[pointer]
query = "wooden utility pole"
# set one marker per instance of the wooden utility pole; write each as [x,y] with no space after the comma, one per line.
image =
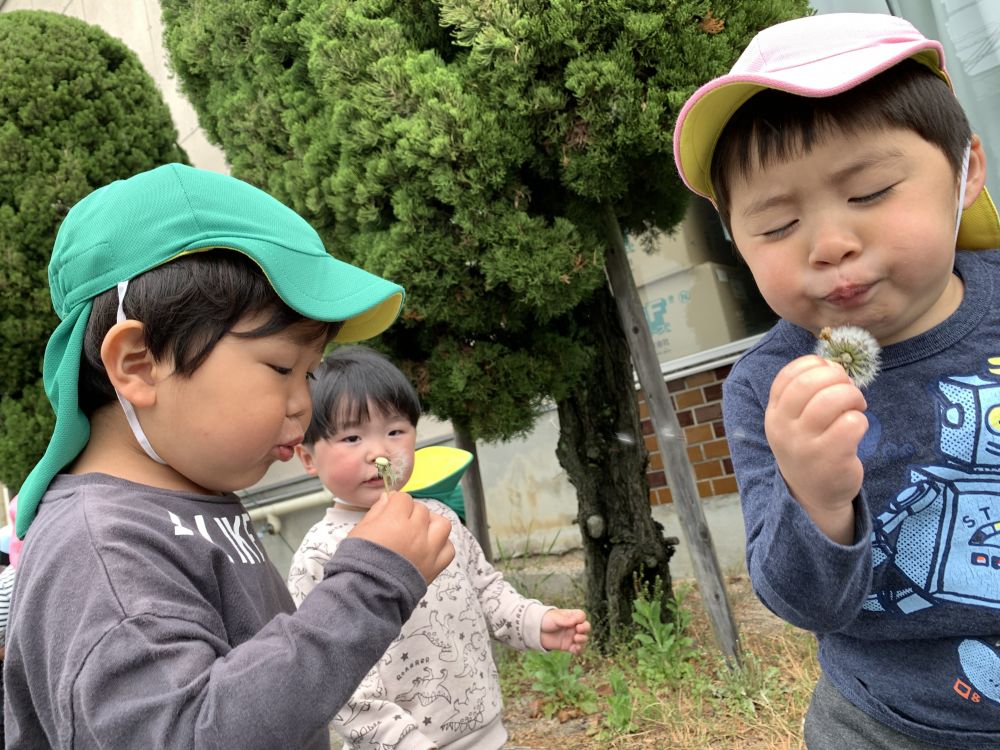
[475,497]
[670,439]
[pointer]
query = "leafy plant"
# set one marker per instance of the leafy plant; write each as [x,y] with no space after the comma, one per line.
[746,688]
[561,685]
[77,111]
[620,717]
[664,652]
[761,706]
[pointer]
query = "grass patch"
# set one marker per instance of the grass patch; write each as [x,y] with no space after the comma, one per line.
[667,686]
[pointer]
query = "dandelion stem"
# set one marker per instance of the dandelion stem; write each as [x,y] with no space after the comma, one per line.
[385,472]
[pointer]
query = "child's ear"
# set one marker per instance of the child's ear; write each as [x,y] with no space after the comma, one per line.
[976,178]
[129,363]
[306,457]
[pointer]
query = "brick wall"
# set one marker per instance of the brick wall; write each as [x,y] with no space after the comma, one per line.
[697,399]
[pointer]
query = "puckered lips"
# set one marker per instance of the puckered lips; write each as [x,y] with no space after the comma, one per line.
[286,450]
[849,295]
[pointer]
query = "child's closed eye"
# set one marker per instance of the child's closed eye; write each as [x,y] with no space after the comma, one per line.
[872,197]
[779,232]
[285,371]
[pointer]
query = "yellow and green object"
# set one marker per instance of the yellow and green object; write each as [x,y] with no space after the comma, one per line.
[437,474]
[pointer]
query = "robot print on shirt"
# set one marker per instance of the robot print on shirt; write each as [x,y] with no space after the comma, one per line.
[941,534]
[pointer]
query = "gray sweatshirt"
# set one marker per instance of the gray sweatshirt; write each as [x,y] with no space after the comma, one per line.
[150,618]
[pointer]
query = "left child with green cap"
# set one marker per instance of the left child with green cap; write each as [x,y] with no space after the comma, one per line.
[194,309]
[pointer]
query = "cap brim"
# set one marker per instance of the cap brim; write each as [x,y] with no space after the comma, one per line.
[980,225]
[437,470]
[325,288]
[322,287]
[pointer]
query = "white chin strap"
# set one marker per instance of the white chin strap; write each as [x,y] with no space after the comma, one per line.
[961,188]
[133,420]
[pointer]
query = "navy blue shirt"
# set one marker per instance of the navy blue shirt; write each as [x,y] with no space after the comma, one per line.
[908,615]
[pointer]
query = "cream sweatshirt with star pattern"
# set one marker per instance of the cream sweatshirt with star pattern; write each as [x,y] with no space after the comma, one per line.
[436,686]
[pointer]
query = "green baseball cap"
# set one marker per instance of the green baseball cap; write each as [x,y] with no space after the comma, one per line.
[130,226]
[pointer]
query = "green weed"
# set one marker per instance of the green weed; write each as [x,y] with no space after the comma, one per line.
[747,688]
[664,651]
[561,685]
[620,717]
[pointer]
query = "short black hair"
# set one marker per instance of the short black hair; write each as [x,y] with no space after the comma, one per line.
[186,307]
[773,125]
[348,378]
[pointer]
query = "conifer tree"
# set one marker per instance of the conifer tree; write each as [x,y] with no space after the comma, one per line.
[471,151]
[77,110]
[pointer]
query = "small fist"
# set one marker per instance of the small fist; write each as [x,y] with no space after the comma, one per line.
[814,423]
[565,630]
[409,529]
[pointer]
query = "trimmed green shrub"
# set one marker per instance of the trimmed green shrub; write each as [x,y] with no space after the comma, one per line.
[467,150]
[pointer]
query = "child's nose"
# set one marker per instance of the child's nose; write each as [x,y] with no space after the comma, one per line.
[376,449]
[832,243]
[300,402]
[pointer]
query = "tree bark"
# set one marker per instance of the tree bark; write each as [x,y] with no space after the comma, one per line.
[602,450]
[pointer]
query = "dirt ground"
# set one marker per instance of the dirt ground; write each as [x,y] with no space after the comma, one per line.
[756,625]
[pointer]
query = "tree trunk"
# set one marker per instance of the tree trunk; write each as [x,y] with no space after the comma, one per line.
[602,450]
[475,497]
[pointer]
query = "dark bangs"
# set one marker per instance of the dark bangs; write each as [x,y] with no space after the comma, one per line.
[773,126]
[186,307]
[349,379]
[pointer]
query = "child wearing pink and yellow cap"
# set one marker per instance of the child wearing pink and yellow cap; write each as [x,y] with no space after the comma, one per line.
[849,179]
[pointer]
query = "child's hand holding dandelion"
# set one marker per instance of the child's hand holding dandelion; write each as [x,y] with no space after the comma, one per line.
[409,529]
[814,423]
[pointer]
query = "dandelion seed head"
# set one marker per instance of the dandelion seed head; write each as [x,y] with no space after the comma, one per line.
[854,349]
[391,469]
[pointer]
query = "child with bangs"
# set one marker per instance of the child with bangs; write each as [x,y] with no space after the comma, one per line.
[436,686]
[194,309]
[853,187]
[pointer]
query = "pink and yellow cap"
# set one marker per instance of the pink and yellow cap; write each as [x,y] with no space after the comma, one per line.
[816,56]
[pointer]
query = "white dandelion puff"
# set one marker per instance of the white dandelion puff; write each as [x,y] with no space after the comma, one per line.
[854,349]
[393,469]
